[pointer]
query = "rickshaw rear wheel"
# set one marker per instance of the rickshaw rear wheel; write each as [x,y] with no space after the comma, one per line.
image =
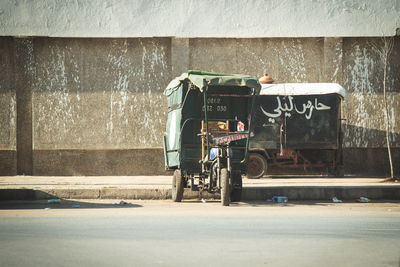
[225,188]
[257,166]
[177,186]
[237,184]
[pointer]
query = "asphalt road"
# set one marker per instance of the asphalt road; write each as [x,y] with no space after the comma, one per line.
[162,233]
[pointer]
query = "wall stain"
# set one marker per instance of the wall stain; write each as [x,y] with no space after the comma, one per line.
[107,93]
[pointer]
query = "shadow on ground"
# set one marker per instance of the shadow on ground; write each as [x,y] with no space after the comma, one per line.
[319,177]
[262,203]
[64,204]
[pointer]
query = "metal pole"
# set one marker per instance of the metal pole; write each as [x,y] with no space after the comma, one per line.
[206,117]
[253,99]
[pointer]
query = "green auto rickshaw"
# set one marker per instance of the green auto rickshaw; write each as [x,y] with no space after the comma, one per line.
[207,133]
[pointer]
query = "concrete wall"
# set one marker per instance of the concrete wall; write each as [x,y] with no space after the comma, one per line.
[286,59]
[100,93]
[7,96]
[363,78]
[351,62]
[199,18]
[95,106]
[8,112]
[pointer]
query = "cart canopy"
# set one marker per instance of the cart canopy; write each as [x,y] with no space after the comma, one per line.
[303,89]
[201,79]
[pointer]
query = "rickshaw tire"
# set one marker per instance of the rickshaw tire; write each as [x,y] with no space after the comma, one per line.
[177,186]
[225,188]
[256,160]
[237,183]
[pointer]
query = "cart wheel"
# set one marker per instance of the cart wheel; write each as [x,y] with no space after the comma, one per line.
[257,166]
[177,186]
[225,199]
[236,194]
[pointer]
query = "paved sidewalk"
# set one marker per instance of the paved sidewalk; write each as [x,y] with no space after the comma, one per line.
[159,187]
[164,182]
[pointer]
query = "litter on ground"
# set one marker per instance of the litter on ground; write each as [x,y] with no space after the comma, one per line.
[336,200]
[363,200]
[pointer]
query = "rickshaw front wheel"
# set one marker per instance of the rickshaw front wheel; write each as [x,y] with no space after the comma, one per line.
[225,192]
[177,186]
[237,184]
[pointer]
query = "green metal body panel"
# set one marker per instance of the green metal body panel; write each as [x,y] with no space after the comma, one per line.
[314,129]
[185,113]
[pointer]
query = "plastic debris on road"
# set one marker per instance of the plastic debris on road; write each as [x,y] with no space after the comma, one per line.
[279,199]
[203,200]
[54,201]
[336,200]
[363,200]
[76,206]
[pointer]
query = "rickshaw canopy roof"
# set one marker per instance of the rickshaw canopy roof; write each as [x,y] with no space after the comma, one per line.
[303,89]
[202,79]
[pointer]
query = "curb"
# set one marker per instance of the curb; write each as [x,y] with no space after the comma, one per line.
[323,193]
[294,193]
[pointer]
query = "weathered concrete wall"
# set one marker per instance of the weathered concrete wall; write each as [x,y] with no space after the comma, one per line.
[285,59]
[95,106]
[199,18]
[8,112]
[364,108]
[352,62]
[370,161]
[97,94]
[24,81]
[109,162]
[7,96]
